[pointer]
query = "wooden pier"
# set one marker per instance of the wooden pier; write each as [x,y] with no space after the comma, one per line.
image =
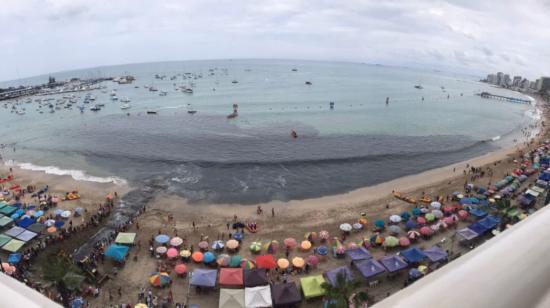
[505,98]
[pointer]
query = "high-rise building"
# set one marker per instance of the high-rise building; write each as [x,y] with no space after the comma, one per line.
[539,84]
[500,78]
[545,84]
[492,78]
[524,84]
[533,85]
[506,81]
[516,81]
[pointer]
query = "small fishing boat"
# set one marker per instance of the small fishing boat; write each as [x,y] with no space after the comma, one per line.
[190,109]
[308,83]
[419,87]
[125,99]
[95,108]
[234,81]
[235,113]
[294,69]
[151,112]
[125,106]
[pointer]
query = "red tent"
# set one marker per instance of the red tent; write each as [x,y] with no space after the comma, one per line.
[231,277]
[267,262]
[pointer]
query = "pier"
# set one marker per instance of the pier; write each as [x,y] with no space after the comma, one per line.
[505,98]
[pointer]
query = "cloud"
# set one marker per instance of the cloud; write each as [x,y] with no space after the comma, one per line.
[41,36]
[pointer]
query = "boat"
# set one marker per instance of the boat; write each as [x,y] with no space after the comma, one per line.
[113,93]
[234,114]
[419,87]
[125,106]
[234,81]
[308,83]
[163,93]
[125,99]
[100,105]
[114,98]
[20,112]
[293,134]
[151,112]
[153,89]
[188,90]
[294,69]
[190,109]
[95,108]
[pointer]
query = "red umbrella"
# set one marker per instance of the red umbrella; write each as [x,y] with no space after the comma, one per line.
[180,269]
[404,242]
[421,220]
[172,253]
[448,209]
[449,220]
[290,242]
[266,261]
[312,260]
[462,214]
[426,231]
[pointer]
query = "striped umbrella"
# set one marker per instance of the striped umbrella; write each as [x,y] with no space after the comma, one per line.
[217,245]
[255,247]
[324,235]
[223,260]
[413,234]
[247,264]
[160,279]
[271,247]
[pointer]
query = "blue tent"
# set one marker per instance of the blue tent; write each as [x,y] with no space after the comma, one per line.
[117,252]
[413,255]
[435,253]
[477,212]
[545,176]
[358,254]
[369,268]
[331,275]
[489,222]
[14,258]
[393,263]
[478,228]
[25,222]
[204,278]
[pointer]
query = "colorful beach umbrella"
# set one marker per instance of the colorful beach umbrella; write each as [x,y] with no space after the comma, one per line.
[352,245]
[223,260]
[448,209]
[208,257]
[421,220]
[312,260]
[346,227]
[416,212]
[324,235]
[305,245]
[271,246]
[232,244]
[462,214]
[218,245]
[394,229]
[197,256]
[185,253]
[376,239]
[161,250]
[435,205]
[235,261]
[405,215]
[391,241]
[176,241]
[247,264]
[162,238]
[449,220]
[430,217]
[379,223]
[203,245]
[283,263]
[160,279]
[410,224]
[238,236]
[298,262]
[172,253]
[51,229]
[311,236]
[180,269]
[395,218]
[255,246]
[357,226]
[404,241]
[362,221]
[290,242]
[413,234]
[426,231]
[322,250]
[437,213]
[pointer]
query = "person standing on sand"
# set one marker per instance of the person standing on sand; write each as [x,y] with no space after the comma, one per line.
[272,212]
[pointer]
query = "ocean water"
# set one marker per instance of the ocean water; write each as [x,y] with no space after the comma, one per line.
[208,158]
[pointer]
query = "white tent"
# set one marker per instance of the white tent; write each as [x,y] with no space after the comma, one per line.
[257,297]
[231,298]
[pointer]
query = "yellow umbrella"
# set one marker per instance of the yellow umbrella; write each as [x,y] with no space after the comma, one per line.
[298,262]
[185,253]
[305,245]
[422,269]
[140,305]
[283,263]
[232,244]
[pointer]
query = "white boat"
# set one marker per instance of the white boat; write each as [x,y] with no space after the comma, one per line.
[125,99]
[125,106]
[113,93]
[114,98]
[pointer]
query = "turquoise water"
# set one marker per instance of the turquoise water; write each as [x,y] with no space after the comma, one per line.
[252,158]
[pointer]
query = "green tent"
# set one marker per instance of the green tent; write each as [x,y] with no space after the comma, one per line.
[72,280]
[127,238]
[4,239]
[311,286]
[4,221]
[8,210]
[3,204]
[13,245]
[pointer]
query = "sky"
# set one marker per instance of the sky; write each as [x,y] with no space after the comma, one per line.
[466,36]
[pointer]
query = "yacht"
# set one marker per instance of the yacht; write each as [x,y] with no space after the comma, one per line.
[125,99]
[125,106]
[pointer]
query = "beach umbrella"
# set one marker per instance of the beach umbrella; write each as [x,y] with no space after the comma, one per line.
[235,261]
[363,220]
[30,213]
[180,269]
[310,236]
[8,268]
[305,245]
[338,247]
[413,234]
[217,245]
[159,279]
[448,209]
[352,245]
[421,220]
[426,231]
[322,250]
[460,196]
[449,220]
[161,250]
[324,235]
[423,269]
[357,226]
[271,247]
[430,217]
[232,244]
[223,260]
[255,246]
[283,263]
[364,242]
[437,213]
[298,262]
[49,222]
[405,215]
[176,241]
[172,253]
[346,227]
[59,223]
[312,260]
[424,210]
[435,205]
[394,229]
[77,302]
[435,227]
[379,223]
[404,241]
[51,229]
[57,212]
[66,214]
[391,241]
[208,257]
[410,224]
[238,236]
[162,238]
[290,242]
[442,224]
[395,218]
[416,212]
[247,264]
[185,253]
[79,210]
[197,256]
[203,245]
[376,239]
[462,214]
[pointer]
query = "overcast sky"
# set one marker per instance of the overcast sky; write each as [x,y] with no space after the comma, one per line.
[475,36]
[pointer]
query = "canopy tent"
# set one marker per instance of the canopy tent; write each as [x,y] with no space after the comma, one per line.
[25,222]
[231,298]
[204,278]
[13,245]
[37,227]
[14,231]
[478,228]
[4,221]
[285,294]
[255,277]
[393,263]
[311,286]
[8,210]
[4,239]
[413,255]
[489,222]
[231,277]
[266,261]
[344,270]
[117,252]
[477,212]
[127,238]
[258,297]
[369,268]
[358,254]
[26,236]
[435,253]
[467,233]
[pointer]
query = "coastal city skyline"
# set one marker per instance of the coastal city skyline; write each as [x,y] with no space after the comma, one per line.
[446,35]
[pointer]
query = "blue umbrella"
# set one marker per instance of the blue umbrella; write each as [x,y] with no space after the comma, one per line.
[77,302]
[238,236]
[38,213]
[57,212]
[379,223]
[14,258]
[410,224]
[322,250]
[162,238]
[416,211]
[217,245]
[405,215]
[414,273]
[208,257]
[59,223]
